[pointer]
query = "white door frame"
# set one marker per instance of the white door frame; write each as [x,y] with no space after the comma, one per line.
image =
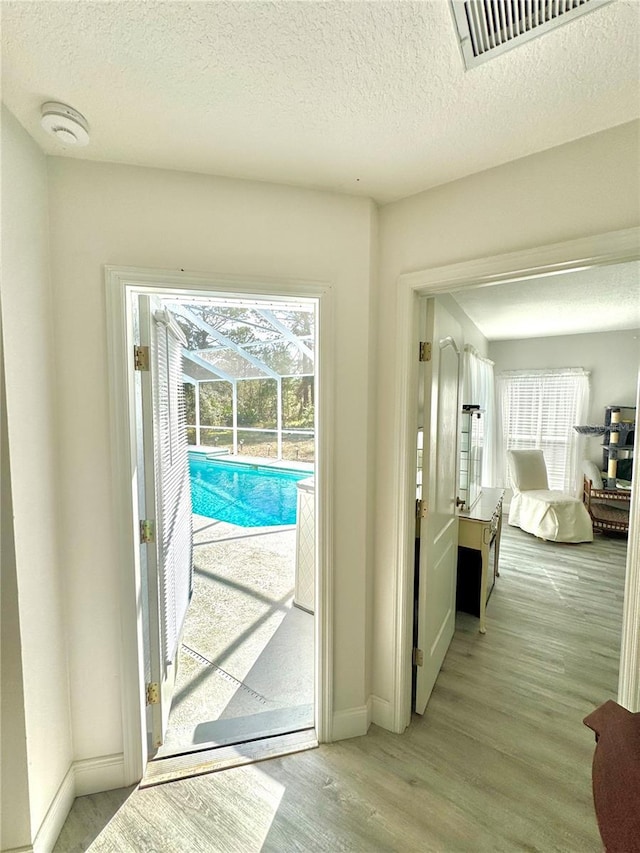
[598,250]
[121,284]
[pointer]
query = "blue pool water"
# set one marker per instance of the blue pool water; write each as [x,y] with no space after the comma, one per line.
[243,495]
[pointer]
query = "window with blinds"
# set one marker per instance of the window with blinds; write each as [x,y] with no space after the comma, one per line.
[539,410]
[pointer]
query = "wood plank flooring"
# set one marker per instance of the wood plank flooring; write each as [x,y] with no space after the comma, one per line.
[499,762]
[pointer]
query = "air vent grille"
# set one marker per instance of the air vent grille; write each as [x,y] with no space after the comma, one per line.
[489,27]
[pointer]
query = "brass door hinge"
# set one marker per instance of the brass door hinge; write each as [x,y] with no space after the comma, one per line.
[425,351]
[421,509]
[418,657]
[141,358]
[152,692]
[147,531]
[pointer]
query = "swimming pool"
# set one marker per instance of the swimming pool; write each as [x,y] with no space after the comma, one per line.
[243,494]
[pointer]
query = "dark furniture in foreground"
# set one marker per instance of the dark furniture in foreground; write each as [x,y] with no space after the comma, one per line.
[616,776]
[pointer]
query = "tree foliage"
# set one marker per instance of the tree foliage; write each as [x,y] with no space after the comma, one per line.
[257,397]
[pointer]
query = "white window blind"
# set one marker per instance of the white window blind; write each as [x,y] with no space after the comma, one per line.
[539,410]
[173,489]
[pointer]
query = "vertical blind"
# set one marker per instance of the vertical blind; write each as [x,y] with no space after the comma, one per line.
[173,489]
[539,410]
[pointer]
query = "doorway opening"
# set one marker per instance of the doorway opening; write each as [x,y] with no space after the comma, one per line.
[228,482]
[244,664]
[480,520]
[545,261]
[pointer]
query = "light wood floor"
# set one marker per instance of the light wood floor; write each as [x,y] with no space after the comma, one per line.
[500,761]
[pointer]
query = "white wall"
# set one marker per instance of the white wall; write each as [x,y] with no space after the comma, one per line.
[122,215]
[110,214]
[586,187]
[30,376]
[470,332]
[15,828]
[612,358]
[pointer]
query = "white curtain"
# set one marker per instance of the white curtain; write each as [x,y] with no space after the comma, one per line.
[577,441]
[479,389]
[538,410]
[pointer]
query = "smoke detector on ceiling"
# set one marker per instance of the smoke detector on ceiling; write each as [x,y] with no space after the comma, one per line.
[67,125]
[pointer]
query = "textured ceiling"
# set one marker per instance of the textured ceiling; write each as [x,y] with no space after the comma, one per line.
[362,97]
[594,300]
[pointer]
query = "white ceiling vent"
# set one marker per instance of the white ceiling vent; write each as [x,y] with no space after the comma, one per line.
[489,27]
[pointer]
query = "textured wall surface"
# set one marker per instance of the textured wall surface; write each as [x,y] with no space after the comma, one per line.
[597,299]
[367,98]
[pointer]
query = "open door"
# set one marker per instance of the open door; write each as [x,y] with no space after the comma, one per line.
[439,524]
[165,505]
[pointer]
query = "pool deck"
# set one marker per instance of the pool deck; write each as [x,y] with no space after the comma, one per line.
[246,662]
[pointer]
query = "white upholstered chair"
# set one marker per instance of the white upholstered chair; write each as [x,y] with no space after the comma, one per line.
[535,508]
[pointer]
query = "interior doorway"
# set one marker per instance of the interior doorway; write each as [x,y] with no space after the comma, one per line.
[520,267]
[481,522]
[238,655]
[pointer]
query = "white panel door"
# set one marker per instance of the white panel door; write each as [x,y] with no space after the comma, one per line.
[439,529]
[167,503]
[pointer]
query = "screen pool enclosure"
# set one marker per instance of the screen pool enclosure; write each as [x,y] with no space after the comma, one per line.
[248,372]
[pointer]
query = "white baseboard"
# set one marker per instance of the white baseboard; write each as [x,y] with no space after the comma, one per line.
[83,777]
[49,830]
[381,713]
[353,722]
[99,774]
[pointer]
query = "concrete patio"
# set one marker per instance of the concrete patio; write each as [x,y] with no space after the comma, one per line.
[246,664]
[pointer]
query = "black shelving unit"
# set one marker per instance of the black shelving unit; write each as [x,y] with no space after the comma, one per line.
[620,425]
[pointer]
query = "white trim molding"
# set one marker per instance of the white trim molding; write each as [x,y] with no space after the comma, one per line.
[629,684]
[57,813]
[353,722]
[105,773]
[87,776]
[323,637]
[597,250]
[381,712]
[614,247]
[122,283]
